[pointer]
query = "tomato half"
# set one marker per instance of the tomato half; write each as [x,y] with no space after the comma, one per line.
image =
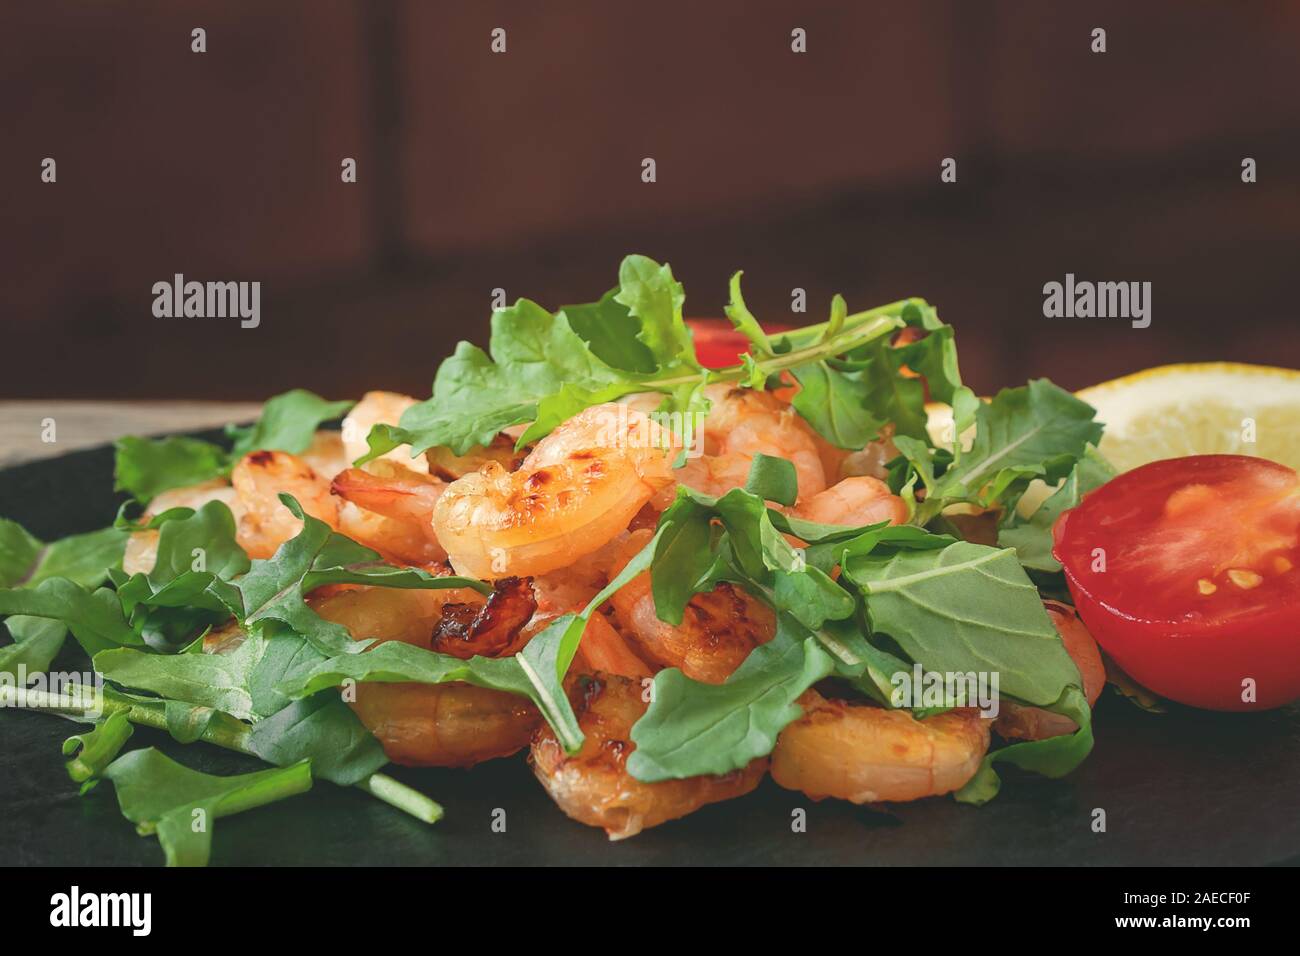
[1187,571]
[718,344]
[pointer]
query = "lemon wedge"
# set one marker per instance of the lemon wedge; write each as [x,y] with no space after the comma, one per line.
[1202,409]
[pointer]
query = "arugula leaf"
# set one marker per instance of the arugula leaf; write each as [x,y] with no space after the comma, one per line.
[179,805]
[693,728]
[275,589]
[1035,431]
[544,368]
[653,296]
[967,607]
[1053,757]
[744,322]
[773,479]
[37,641]
[146,467]
[26,561]
[326,731]
[94,750]
[533,673]
[219,681]
[288,423]
[611,332]
[1032,536]
[94,617]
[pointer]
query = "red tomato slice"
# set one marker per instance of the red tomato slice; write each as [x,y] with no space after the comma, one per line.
[1187,571]
[719,345]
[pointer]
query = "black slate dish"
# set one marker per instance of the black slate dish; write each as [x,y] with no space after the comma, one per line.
[1184,788]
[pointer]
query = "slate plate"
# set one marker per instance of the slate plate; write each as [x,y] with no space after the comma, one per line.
[1185,788]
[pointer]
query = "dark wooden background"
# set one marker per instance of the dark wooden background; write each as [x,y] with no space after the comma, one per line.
[522,171]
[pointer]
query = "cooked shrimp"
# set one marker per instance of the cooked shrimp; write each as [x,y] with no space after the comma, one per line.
[743,422]
[1033,723]
[594,787]
[447,465]
[326,455]
[396,509]
[259,479]
[491,629]
[379,408]
[603,649]
[718,631]
[576,491]
[854,502]
[867,754]
[427,725]
[142,547]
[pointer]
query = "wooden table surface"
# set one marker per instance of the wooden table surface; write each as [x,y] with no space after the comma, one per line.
[25,426]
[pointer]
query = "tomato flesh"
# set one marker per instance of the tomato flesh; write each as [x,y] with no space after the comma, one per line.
[1187,572]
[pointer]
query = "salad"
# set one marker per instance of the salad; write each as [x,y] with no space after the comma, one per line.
[663,563]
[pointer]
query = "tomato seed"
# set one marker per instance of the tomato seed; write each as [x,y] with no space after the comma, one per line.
[1206,587]
[1245,579]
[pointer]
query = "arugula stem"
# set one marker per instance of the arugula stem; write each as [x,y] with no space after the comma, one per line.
[858,329]
[82,703]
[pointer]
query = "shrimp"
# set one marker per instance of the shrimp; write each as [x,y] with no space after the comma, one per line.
[259,478]
[594,787]
[142,547]
[867,754]
[379,408]
[427,725]
[1017,721]
[447,465]
[394,509]
[326,455]
[853,502]
[578,489]
[743,422]
[603,650]
[718,631]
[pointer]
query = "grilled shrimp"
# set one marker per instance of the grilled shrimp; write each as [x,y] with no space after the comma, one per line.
[853,502]
[1017,721]
[259,478]
[577,490]
[429,725]
[379,408]
[718,631]
[393,509]
[326,455]
[142,547]
[594,787]
[867,754]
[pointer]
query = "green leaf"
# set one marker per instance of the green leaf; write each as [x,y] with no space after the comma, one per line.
[610,331]
[966,607]
[26,561]
[1052,757]
[324,730]
[180,805]
[94,750]
[274,590]
[37,641]
[220,681]
[1032,536]
[288,423]
[692,728]
[533,673]
[1036,431]
[147,467]
[773,479]
[745,323]
[94,617]
[836,404]
[654,297]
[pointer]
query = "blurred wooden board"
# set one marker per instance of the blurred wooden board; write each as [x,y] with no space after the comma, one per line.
[84,424]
